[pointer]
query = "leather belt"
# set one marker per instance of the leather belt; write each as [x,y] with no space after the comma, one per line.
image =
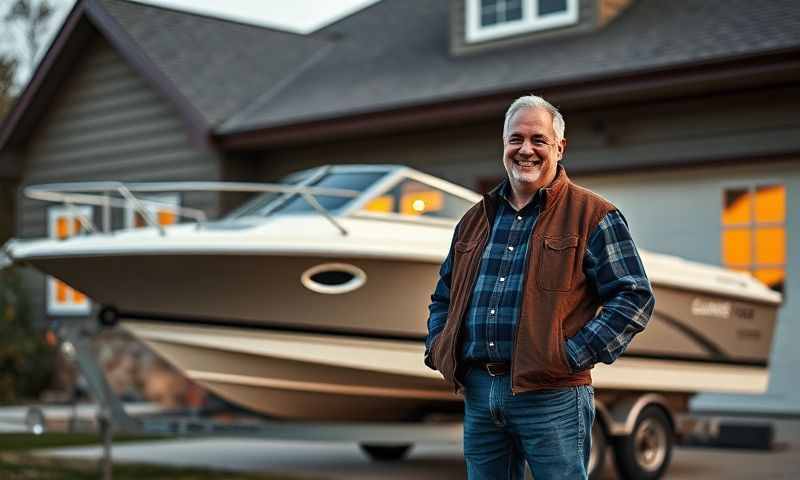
[492,368]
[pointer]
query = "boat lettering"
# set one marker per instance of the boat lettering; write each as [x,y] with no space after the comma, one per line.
[746,313]
[710,308]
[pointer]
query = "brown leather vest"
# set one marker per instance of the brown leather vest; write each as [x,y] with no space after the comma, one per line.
[557,299]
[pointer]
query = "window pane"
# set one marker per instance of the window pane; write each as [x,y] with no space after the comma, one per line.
[770,245]
[488,18]
[547,7]
[78,297]
[62,290]
[773,277]
[737,207]
[500,11]
[421,201]
[489,12]
[62,228]
[771,203]
[382,204]
[513,10]
[736,247]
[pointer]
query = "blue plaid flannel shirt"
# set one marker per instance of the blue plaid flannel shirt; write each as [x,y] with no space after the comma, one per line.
[611,264]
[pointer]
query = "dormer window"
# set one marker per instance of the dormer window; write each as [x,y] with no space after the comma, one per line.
[491,19]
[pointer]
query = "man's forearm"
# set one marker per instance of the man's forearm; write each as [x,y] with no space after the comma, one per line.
[607,335]
[612,264]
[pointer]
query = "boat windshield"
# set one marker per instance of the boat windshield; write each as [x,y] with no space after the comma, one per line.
[412,198]
[283,203]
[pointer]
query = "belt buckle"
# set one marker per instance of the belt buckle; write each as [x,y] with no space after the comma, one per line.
[490,369]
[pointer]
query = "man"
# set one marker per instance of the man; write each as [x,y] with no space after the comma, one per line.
[542,281]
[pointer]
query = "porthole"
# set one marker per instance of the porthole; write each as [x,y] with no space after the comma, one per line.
[333,278]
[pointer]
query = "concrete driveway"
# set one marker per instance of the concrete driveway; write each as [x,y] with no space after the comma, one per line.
[426,461]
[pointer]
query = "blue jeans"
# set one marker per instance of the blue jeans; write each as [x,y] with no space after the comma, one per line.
[549,429]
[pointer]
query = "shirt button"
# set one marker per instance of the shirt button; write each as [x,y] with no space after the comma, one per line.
[502,279]
[491,311]
[510,249]
[519,217]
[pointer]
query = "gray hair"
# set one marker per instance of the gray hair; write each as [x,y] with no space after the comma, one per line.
[533,101]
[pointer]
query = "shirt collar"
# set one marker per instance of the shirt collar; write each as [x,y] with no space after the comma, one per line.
[541,196]
[545,197]
[505,193]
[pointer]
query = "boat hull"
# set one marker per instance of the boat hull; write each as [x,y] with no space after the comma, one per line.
[246,328]
[255,289]
[317,377]
[266,291]
[303,376]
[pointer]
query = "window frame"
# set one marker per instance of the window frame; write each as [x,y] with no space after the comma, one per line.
[55,308]
[530,22]
[752,227]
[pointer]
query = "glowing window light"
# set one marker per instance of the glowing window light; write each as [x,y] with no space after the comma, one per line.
[754,232]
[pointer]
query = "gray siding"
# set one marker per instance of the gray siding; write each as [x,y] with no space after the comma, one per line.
[108,124]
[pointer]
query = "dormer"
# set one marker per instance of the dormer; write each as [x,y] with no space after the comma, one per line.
[478,25]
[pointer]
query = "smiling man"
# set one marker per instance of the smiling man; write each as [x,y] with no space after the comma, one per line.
[542,281]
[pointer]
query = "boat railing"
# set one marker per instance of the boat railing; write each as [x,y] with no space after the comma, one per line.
[112,194]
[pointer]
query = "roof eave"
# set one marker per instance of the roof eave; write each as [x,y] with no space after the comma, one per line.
[23,111]
[630,87]
[60,56]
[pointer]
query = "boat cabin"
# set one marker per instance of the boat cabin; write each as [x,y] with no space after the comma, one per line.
[392,191]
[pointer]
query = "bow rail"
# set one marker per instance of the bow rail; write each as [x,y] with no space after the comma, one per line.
[110,194]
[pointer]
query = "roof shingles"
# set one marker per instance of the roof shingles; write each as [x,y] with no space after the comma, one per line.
[396,54]
[220,66]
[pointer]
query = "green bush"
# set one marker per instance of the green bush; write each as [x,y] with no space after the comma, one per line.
[26,361]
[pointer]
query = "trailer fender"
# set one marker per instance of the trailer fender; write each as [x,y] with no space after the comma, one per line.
[620,418]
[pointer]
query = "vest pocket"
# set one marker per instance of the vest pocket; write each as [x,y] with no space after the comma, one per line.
[557,263]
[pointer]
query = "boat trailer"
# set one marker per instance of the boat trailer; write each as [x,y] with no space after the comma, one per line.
[381,441]
[641,428]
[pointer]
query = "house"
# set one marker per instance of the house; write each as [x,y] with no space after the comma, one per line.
[683,113]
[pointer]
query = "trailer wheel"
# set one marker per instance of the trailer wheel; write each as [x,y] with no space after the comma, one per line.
[645,453]
[386,453]
[597,456]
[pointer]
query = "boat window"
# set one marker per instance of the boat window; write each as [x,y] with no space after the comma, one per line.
[414,198]
[259,203]
[358,181]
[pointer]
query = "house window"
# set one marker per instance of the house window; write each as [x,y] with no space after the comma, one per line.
[489,19]
[164,216]
[63,223]
[754,232]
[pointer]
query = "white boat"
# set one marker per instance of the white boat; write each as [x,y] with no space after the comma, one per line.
[310,301]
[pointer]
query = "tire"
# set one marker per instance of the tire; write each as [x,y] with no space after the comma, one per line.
[386,453]
[645,453]
[597,457]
